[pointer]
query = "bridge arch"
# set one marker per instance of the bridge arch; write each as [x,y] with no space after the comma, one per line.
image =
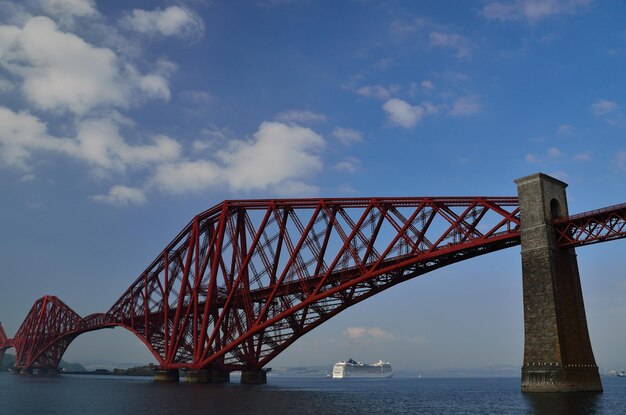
[556,210]
[113,343]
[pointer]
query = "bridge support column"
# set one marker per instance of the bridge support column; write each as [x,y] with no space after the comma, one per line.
[207,376]
[254,377]
[557,350]
[166,375]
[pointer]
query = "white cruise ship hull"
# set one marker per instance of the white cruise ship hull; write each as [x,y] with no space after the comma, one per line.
[357,370]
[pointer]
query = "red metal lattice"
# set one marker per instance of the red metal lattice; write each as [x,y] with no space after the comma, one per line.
[4,342]
[45,334]
[3,336]
[591,227]
[245,279]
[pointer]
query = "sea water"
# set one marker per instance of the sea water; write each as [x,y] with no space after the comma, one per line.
[74,394]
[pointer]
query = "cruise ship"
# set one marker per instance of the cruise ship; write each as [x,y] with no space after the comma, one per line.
[353,369]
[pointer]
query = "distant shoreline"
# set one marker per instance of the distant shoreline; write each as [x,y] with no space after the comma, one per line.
[106,373]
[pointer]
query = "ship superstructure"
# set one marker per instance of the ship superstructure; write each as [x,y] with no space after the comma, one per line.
[354,369]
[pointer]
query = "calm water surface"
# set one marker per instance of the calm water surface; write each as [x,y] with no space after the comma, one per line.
[68,394]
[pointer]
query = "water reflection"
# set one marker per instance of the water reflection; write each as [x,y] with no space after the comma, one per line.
[584,403]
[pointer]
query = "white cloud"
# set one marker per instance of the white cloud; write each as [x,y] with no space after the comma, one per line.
[277,158]
[155,86]
[173,21]
[402,113]
[121,196]
[61,72]
[20,134]
[603,107]
[368,333]
[465,106]
[374,91]
[65,10]
[347,136]
[348,165]
[451,41]
[8,35]
[187,176]
[430,108]
[98,142]
[300,117]
[278,152]
[531,10]
[295,188]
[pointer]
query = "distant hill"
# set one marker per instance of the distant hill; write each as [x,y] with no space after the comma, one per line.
[9,361]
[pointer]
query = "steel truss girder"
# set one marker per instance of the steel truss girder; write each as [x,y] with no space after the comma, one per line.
[3,337]
[4,342]
[245,279]
[591,227]
[45,334]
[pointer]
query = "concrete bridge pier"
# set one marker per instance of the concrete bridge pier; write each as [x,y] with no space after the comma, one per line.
[166,375]
[254,376]
[36,371]
[557,350]
[207,376]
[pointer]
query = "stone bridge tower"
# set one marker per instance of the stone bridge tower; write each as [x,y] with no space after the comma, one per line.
[557,350]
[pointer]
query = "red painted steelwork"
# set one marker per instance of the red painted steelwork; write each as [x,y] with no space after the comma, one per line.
[45,334]
[3,336]
[246,279]
[591,227]
[4,342]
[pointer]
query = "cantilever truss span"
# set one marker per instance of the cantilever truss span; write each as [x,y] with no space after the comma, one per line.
[245,279]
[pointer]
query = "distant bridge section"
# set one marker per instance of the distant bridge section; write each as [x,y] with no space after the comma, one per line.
[587,228]
[4,342]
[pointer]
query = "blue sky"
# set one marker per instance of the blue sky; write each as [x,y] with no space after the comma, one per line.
[119,121]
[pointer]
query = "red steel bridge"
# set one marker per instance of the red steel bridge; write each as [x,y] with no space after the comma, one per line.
[246,278]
